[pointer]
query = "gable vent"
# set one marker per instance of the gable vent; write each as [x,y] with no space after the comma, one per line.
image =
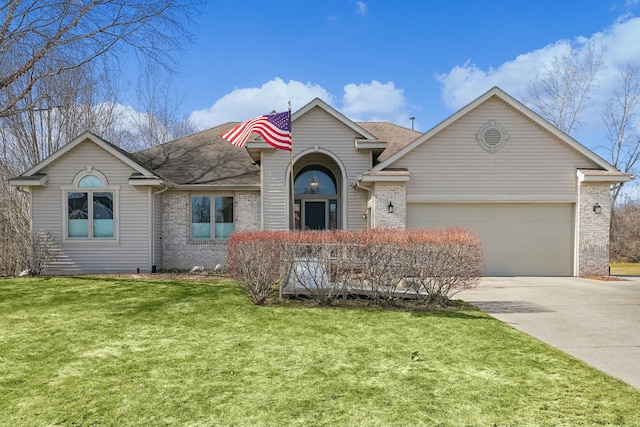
[492,137]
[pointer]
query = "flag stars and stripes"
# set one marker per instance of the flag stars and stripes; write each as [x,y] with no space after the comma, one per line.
[275,129]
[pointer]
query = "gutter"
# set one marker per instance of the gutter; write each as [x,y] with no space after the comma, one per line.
[357,183]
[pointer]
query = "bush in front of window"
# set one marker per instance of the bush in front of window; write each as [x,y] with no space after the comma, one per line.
[255,260]
[383,265]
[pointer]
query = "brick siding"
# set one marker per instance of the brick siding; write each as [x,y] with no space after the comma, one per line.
[382,195]
[179,251]
[593,230]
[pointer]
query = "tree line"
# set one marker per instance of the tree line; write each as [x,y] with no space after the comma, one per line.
[61,64]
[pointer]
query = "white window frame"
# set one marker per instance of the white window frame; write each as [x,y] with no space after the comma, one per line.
[106,188]
[212,219]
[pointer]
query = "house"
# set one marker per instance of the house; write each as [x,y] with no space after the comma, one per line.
[538,199]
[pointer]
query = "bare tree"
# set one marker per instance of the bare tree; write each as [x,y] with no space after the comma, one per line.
[562,91]
[62,108]
[625,233]
[43,39]
[57,79]
[620,117]
[159,121]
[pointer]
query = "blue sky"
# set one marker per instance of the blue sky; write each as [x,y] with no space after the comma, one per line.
[391,60]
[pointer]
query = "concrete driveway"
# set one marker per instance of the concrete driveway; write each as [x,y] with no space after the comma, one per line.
[595,321]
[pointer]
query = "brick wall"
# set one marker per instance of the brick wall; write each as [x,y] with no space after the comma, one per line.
[593,230]
[382,195]
[247,211]
[179,251]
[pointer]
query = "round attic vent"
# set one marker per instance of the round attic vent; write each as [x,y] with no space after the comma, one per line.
[492,137]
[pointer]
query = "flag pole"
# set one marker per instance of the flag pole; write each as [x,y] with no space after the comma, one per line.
[292,224]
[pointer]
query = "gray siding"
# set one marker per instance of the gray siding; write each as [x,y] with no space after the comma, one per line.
[315,133]
[533,165]
[127,254]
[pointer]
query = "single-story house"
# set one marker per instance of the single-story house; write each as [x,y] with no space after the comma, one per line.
[538,199]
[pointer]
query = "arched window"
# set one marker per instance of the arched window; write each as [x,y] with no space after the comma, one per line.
[90,181]
[315,181]
[90,208]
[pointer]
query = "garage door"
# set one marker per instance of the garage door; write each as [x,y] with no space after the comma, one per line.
[518,239]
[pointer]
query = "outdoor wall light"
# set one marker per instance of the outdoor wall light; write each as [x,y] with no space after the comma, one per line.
[390,207]
[597,208]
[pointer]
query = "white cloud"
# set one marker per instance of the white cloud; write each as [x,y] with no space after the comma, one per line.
[464,83]
[245,103]
[361,8]
[373,101]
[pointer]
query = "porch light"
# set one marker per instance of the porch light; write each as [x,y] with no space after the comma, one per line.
[390,207]
[597,208]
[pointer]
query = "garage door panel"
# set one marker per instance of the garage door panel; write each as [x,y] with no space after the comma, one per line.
[518,239]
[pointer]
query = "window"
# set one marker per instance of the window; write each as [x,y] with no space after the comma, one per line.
[315,181]
[206,222]
[90,209]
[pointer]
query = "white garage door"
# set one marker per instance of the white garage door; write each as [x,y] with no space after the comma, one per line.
[518,239]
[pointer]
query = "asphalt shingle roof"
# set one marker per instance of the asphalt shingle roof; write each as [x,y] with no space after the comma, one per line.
[207,159]
[202,158]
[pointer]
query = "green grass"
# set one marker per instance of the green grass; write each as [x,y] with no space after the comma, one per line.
[625,269]
[96,351]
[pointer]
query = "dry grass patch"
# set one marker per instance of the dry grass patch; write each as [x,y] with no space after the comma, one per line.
[625,269]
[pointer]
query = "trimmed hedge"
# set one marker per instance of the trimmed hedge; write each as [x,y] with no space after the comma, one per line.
[383,264]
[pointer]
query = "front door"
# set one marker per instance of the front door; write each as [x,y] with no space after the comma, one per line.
[315,215]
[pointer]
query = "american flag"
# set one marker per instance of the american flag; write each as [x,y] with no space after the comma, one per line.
[274,128]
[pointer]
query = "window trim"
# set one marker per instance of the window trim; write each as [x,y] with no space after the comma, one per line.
[212,216]
[106,188]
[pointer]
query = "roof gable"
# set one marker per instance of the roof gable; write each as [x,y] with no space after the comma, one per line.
[514,104]
[318,103]
[118,153]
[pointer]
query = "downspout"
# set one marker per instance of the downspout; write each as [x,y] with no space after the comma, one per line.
[166,187]
[152,222]
[357,183]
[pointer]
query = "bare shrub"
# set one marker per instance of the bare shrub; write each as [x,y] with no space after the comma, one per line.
[313,259]
[376,256]
[385,265]
[444,262]
[255,260]
[41,251]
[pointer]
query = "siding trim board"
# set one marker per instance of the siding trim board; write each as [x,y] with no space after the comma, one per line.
[492,198]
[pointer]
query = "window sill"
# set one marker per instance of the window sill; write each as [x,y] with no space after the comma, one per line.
[85,241]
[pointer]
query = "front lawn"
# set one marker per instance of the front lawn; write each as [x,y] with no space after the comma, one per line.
[102,351]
